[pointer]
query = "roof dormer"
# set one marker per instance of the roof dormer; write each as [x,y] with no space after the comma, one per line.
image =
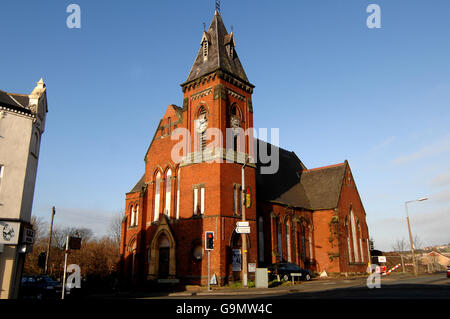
[205,42]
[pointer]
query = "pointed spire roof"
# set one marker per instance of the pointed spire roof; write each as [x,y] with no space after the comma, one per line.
[219,57]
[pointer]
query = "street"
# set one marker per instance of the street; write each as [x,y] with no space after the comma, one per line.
[399,286]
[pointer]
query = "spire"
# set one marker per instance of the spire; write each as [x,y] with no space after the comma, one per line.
[217,53]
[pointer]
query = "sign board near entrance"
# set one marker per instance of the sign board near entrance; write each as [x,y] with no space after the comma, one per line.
[242,224]
[243,230]
[236,259]
[381,259]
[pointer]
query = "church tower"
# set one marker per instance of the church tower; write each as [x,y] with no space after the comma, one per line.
[219,117]
[184,194]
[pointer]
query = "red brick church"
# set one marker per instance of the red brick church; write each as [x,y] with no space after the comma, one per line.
[311,217]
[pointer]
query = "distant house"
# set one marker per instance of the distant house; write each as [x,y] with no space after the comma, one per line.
[435,258]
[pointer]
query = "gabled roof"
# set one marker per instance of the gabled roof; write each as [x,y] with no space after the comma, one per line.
[218,58]
[139,185]
[19,102]
[272,186]
[296,186]
[323,186]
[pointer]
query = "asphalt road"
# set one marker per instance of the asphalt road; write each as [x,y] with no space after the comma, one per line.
[436,286]
[429,286]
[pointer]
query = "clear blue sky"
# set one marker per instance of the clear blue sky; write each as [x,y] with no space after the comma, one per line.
[336,89]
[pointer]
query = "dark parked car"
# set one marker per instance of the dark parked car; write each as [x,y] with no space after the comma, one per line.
[284,271]
[40,287]
[448,271]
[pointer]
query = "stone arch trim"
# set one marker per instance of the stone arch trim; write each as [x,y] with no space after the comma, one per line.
[155,172]
[132,241]
[197,109]
[232,236]
[166,169]
[163,229]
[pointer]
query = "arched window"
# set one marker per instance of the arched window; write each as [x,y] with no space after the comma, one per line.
[157,196]
[132,217]
[136,217]
[178,194]
[261,238]
[288,242]
[347,230]
[360,242]
[294,246]
[354,236]
[201,126]
[168,191]
[311,251]
[235,124]
[279,239]
[298,236]
[303,242]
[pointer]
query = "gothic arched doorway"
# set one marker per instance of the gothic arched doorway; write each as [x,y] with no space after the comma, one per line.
[164,256]
[236,254]
[162,252]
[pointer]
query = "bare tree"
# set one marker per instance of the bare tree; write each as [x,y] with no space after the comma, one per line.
[400,245]
[40,228]
[417,242]
[115,228]
[60,235]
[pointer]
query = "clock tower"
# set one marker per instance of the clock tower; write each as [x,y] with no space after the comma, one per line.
[218,109]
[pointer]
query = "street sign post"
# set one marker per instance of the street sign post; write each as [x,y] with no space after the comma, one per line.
[242,224]
[243,230]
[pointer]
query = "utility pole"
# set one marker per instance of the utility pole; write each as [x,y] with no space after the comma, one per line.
[411,241]
[243,236]
[410,234]
[49,240]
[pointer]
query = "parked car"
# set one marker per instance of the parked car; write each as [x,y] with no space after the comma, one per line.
[40,287]
[448,271]
[284,271]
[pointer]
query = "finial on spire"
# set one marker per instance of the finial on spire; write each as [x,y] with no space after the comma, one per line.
[204,26]
[218,6]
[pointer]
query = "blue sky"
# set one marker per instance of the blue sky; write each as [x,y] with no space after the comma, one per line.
[336,89]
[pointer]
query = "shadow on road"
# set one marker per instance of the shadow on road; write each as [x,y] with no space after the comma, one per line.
[391,291]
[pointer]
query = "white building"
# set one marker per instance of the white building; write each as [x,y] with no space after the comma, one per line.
[22,122]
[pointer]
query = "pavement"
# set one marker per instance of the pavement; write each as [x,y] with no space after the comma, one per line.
[316,284]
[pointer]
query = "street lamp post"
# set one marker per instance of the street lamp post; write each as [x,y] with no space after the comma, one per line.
[410,234]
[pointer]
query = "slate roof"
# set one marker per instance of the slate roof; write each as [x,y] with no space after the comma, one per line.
[296,186]
[139,185]
[272,186]
[218,58]
[17,102]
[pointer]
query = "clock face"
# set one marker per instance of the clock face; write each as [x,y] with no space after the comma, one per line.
[202,124]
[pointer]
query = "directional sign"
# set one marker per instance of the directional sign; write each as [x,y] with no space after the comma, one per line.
[243,230]
[242,224]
